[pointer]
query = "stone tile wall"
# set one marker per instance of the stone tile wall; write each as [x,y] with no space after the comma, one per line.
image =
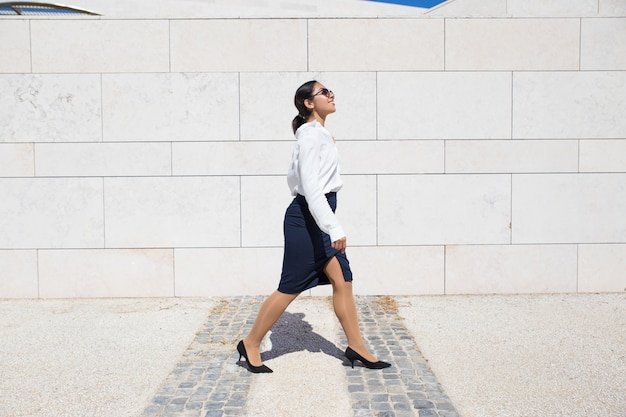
[483,149]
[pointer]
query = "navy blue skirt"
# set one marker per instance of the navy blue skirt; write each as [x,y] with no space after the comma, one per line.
[307,249]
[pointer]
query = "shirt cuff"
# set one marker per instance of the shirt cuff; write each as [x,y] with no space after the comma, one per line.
[336,233]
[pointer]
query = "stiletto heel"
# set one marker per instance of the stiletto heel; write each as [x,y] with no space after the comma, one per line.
[353,356]
[241,348]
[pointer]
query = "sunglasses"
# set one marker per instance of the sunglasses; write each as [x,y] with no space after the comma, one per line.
[324,91]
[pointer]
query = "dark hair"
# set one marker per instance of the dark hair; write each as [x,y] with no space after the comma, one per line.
[304,92]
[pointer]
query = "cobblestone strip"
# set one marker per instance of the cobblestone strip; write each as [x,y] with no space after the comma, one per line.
[207,381]
[409,388]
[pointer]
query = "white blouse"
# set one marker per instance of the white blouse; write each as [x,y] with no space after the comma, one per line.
[314,171]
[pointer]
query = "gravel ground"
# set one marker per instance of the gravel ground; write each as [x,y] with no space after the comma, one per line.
[96,357]
[525,355]
[496,356]
[316,383]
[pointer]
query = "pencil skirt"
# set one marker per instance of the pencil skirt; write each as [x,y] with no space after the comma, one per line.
[307,249]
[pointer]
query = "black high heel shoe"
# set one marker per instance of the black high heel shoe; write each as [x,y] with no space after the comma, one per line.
[254,369]
[353,356]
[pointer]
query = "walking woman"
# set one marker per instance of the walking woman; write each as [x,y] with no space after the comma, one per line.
[315,243]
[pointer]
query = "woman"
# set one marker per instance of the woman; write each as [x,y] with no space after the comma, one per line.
[315,243]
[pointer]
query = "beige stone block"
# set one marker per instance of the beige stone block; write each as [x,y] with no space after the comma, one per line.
[103,159]
[612,8]
[76,46]
[51,213]
[512,44]
[503,156]
[170,107]
[444,209]
[569,208]
[18,274]
[356,209]
[444,105]
[231,158]
[50,108]
[392,157]
[552,8]
[172,212]
[236,45]
[264,201]
[603,155]
[272,120]
[15,46]
[227,271]
[569,105]
[603,44]
[355,101]
[510,269]
[602,268]
[17,160]
[395,270]
[375,44]
[106,273]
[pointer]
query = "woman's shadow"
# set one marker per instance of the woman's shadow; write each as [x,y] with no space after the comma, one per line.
[291,333]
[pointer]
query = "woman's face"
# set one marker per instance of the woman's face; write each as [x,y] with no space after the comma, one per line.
[323,100]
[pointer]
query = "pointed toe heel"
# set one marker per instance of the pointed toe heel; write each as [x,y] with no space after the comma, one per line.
[354,356]
[241,348]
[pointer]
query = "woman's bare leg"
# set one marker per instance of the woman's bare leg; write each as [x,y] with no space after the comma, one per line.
[271,310]
[345,308]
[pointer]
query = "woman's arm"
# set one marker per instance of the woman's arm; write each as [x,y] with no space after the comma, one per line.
[309,163]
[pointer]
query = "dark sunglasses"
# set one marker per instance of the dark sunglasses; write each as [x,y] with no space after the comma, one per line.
[324,91]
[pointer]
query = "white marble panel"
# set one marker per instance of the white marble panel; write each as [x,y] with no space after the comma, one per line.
[612,8]
[75,46]
[356,209]
[355,98]
[603,44]
[18,274]
[469,8]
[503,156]
[15,46]
[50,108]
[106,273]
[51,213]
[238,45]
[601,268]
[392,157]
[17,160]
[170,107]
[376,44]
[263,204]
[172,212]
[227,271]
[510,269]
[103,159]
[552,8]
[231,158]
[569,105]
[512,44]
[444,209]
[603,155]
[444,105]
[246,9]
[569,208]
[395,270]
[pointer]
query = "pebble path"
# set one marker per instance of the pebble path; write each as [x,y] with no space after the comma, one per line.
[208,381]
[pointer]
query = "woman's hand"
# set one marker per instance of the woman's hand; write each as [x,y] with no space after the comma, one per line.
[340,244]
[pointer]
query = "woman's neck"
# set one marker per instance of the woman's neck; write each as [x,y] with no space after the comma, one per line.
[316,117]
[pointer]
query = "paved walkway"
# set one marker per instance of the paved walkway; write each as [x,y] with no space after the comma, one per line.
[469,356]
[208,382]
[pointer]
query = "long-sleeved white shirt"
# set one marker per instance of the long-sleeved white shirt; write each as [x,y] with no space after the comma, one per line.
[314,171]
